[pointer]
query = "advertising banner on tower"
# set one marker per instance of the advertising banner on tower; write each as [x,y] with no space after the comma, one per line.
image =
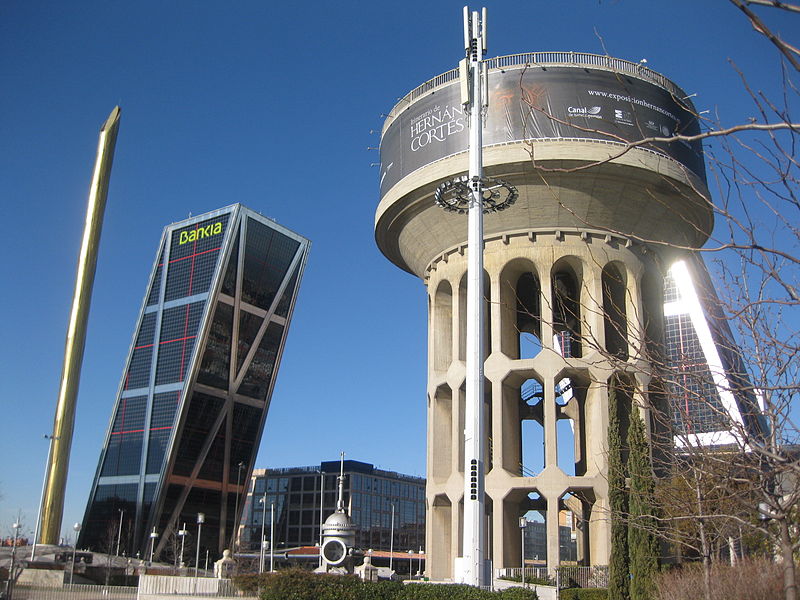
[540,103]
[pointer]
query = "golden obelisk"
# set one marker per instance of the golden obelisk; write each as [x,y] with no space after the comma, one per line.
[58,463]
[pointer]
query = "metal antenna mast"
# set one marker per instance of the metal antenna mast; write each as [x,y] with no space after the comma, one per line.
[474,508]
[474,194]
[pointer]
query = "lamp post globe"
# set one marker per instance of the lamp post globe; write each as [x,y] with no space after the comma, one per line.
[153,538]
[76,527]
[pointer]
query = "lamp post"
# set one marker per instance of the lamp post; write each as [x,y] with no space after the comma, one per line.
[11,573]
[391,540]
[41,498]
[153,538]
[272,537]
[77,528]
[263,501]
[182,533]
[234,536]
[411,564]
[119,533]
[201,518]
[523,524]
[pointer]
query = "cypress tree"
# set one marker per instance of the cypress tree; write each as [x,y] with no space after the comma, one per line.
[618,504]
[642,543]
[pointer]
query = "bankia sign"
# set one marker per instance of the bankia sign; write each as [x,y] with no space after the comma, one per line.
[556,102]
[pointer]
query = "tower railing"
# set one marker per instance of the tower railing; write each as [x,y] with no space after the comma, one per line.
[545,59]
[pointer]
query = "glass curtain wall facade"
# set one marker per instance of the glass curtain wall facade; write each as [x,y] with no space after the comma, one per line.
[711,397]
[536,544]
[197,383]
[368,492]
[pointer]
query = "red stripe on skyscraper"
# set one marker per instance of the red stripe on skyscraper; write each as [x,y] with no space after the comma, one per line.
[141,430]
[185,331]
[193,255]
[182,339]
[191,269]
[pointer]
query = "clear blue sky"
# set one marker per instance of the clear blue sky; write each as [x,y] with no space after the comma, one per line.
[268,104]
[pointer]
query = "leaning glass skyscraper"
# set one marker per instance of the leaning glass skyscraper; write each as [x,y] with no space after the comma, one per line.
[197,383]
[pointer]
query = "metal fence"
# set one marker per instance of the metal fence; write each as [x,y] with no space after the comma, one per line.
[583,577]
[150,586]
[23,591]
[567,577]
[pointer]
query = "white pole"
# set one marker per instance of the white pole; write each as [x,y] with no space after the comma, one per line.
[201,517]
[12,571]
[119,533]
[41,498]
[182,533]
[522,532]
[523,523]
[263,519]
[234,536]
[77,528]
[272,537]
[474,509]
[153,536]
[391,540]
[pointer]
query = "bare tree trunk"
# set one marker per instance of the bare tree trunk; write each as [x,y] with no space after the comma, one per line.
[704,545]
[706,562]
[789,583]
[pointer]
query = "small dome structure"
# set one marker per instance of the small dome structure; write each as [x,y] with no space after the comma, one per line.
[338,532]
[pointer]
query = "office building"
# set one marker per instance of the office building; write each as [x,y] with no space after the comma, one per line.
[197,384]
[536,543]
[371,496]
[711,399]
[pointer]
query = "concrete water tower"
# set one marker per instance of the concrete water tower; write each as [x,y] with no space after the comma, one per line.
[573,280]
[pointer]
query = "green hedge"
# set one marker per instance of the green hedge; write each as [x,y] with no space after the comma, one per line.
[584,594]
[297,584]
[529,580]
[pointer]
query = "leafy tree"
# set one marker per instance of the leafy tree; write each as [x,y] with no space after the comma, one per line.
[618,504]
[642,543]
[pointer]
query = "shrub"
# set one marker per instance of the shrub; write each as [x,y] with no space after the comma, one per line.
[383,590]
[529,580]
[757,579]
[518,593]
[248,583]
[432,591]
[584,594]
[297,584]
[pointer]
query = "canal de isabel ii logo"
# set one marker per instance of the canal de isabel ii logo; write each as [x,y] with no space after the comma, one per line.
[200,233]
